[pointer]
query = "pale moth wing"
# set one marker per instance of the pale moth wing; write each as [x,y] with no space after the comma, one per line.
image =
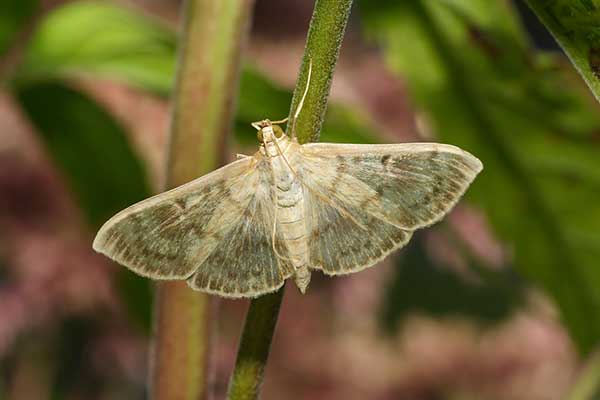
[215,231]
[243,229]
[364,201]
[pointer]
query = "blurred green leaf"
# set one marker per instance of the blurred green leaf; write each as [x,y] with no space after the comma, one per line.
[422,285]
[469,67]
[96,39]
[575,25]
[100,39]
[345,124]
[13,15]
[137,294]
[261,98]
[102,170]
[88,145]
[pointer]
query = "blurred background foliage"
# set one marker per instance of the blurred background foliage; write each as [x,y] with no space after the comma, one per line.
[472,76]
[469,65]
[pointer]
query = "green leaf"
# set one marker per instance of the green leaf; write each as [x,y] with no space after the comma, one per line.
[259,98]
[89,147]
[93,154]
[13,15]
[422,285]
[469,67]
[575,25]
[100,39]
[137,295]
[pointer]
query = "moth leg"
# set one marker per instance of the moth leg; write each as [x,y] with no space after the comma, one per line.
[239,156]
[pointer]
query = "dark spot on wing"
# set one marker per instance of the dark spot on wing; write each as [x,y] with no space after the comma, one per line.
[434,154]
[198,231]
[217,235]
[437,187]
[180,204]
[449,197]
[385,160]
[315,234]
[248,214]
[342,165]
[363,205]
[340,169]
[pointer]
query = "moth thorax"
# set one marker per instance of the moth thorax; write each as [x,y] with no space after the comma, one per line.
[267,133]
[275,142]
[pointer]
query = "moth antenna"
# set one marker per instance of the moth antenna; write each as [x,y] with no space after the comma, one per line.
[301,104]
[281,121]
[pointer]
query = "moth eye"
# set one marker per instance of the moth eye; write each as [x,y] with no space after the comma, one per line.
[259,135]
[278,131]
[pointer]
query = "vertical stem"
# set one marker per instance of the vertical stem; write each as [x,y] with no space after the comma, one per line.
[202,110]
[587,385]
[323,44]
[254,346]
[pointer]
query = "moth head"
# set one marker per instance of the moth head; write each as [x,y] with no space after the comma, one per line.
[267,132]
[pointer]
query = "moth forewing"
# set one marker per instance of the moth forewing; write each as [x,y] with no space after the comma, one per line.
[410,185]
[364,201]
[168,235]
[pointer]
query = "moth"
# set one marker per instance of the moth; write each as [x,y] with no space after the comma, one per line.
[243,229]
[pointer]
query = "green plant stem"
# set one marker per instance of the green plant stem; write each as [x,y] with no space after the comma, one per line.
[202,111]
[323,44]
[587,385]
[254,346]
